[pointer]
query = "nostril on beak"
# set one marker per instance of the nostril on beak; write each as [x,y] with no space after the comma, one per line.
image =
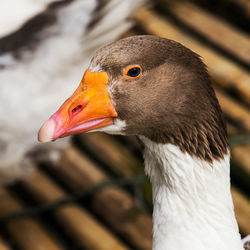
[77,109]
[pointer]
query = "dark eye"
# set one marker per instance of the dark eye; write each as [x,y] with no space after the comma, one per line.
[133,72]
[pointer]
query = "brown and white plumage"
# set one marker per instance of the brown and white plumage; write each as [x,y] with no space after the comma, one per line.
[160,91]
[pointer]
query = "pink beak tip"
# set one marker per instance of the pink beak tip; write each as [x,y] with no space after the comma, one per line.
[46,132]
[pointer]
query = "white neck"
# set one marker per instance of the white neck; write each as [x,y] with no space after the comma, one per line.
[193,206]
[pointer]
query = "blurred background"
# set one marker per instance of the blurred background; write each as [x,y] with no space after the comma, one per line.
[89,191]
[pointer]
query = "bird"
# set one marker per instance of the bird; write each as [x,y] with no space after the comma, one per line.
[161,92]
[41,50]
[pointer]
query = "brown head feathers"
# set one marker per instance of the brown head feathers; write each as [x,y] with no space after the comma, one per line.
[172,101]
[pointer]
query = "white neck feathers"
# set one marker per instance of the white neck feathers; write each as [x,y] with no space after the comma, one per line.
[193,206]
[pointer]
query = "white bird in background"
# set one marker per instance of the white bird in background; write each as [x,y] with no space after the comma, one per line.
[43,49]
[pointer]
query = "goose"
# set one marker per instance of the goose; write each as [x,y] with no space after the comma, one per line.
[34,41]
[161,92]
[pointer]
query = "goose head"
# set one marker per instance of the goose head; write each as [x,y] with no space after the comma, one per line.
[147,86]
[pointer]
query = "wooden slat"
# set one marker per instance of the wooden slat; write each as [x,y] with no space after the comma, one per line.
[226,73]
[115,206]
[242,6]
[214,29]
[4,245]
[111,153]
[242,211]
[25,232]
[234,110]
[76,221]
[241,154]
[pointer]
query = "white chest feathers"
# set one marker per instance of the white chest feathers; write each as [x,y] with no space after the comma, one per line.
[193,206]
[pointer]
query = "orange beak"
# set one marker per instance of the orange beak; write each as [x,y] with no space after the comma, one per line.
[89,108]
